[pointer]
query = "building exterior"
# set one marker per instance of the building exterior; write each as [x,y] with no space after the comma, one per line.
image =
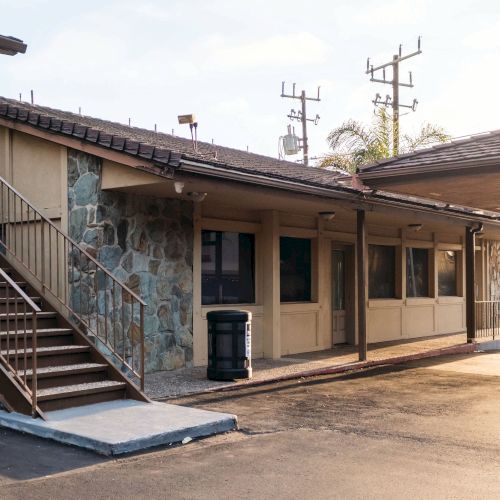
[318,260]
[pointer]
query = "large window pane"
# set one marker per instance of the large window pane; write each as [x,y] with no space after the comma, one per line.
[295,269]
[417,272]
[227,267]
[447,273]
[382,272]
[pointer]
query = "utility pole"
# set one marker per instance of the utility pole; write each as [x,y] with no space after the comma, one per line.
[301,116]
[395,83]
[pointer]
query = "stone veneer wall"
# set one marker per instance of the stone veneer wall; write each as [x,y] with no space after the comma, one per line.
[147,244]
[494,270]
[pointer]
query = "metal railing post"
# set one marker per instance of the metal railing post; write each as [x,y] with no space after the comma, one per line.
[34,362]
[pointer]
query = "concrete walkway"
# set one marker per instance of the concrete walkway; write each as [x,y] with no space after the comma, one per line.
[194,380]
[122,426]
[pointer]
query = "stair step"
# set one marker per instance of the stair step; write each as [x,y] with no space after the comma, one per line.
[43,314]
[41,332]
[49,351]
[69,391]
[18,299]
[59,371]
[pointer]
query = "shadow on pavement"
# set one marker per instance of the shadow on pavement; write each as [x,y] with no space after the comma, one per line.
[276,387]
[25,457]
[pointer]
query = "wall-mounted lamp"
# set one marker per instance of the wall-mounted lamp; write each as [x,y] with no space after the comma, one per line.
[327,215]
[415,227]
[178,186]
[196,196]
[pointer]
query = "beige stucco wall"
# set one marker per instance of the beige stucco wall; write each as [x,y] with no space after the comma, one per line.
[38,170]
[302,327]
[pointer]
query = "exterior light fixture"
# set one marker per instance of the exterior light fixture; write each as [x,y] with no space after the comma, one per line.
[327,215]
[186,119]
[11,46]
[415,227]
[178,186]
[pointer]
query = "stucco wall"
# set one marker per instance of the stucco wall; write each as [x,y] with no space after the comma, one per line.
[147,244]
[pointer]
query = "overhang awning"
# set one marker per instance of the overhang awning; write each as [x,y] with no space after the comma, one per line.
[465,172]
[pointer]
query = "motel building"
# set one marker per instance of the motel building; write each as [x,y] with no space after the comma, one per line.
[408,248]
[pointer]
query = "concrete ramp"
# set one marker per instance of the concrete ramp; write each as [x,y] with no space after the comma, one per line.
[122,426]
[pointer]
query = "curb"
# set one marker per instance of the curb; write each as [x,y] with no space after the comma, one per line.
[333,370]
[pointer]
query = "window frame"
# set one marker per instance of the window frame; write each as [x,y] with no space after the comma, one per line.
[218,263]
[458,272]
[312,270]
[397,270]
[430,271]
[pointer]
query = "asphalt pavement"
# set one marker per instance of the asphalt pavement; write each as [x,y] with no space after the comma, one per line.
[427,429]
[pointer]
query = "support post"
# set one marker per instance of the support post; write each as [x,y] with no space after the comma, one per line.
[270,259]
[470,302]
[361,265]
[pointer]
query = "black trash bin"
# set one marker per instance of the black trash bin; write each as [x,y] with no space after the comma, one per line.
[229,345]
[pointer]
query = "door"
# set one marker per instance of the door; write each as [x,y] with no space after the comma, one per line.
[339,296]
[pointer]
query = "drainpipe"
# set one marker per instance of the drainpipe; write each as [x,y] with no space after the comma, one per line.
[470,280]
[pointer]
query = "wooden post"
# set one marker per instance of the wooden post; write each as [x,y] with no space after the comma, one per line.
[361,265]
[271,284]
[470,302]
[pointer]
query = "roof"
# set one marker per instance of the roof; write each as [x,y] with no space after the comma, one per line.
[163,149]
[168,151]
[11,46]
[475,151]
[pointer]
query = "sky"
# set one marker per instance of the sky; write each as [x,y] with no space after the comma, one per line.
[225,60]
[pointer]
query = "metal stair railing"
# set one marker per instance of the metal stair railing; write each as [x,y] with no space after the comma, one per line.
[14,352]
[487,318]
[92,299]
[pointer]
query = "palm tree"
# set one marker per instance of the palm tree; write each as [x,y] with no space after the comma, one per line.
[354,144]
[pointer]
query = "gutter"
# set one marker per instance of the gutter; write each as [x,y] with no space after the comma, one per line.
[356,197]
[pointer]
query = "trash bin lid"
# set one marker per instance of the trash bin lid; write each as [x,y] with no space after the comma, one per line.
[229,315]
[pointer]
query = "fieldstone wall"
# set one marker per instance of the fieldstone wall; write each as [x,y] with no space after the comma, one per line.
[494,269]
[147,244]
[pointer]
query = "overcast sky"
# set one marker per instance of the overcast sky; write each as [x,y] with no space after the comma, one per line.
[225,60]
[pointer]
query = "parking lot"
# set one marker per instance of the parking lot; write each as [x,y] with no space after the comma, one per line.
[427,429]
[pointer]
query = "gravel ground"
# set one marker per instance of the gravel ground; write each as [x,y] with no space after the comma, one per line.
[194,380]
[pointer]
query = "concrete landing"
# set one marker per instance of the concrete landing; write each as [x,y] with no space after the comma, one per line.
[122,426]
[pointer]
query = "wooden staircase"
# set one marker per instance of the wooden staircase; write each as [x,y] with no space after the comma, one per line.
[60,310]
[70,370]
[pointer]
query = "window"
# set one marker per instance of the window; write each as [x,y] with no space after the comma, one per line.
[381,272]
[447,273]
[227,268]
[295,269]
[417,272]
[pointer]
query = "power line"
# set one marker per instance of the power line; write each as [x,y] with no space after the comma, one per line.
[393,101]
[301,116]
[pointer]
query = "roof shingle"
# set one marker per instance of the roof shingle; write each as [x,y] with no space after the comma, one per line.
[479,149]
[163,149]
